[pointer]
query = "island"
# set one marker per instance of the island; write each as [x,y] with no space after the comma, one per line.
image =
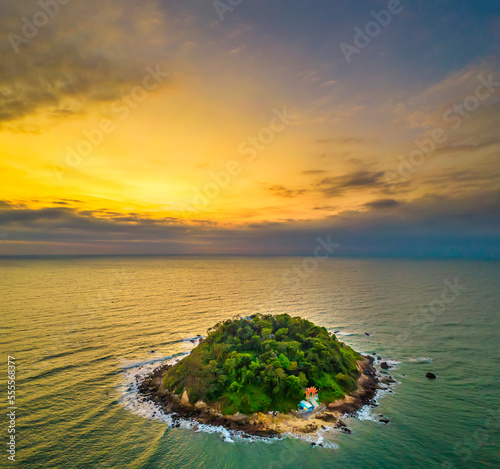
[265,375]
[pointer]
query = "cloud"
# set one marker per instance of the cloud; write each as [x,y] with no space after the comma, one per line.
[382,204]
[283,191]
[343,140]
[335,186]
[314,171]
[471,147]
[464,226]
[425,110]
[325,207]
[89,53]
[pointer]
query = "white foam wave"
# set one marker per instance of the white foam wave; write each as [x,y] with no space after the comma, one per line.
[338,332]
[138,364]
[393,362]
[193,339]
[421,360]
[368,411]
[366,414]
[317,439]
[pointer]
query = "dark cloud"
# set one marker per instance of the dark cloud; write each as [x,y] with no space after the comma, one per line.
[314,171]
[73,61]
[382,204]
[465,226]
[29,215]
[335,186]
[283,191]
[325,207]
[468,147]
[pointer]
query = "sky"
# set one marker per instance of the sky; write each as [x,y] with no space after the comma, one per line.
[250,127]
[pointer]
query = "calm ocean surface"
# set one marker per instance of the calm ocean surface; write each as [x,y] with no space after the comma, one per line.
[81,328]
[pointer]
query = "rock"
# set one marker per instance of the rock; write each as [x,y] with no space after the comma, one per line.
[387,380]
[200,405]
[430,375]
[366,333]
[384,366]
[310,428]
[343,427]
[327,417]
[185,398]
[379,358]
[384,420]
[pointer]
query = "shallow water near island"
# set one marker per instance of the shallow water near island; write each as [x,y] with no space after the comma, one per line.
[81,329]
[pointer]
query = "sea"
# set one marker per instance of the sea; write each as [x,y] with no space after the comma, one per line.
[80,332]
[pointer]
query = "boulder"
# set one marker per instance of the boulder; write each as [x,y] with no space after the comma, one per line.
[384,366]
[185,398]
[388,380]
[342,427]
[430,375]
[327,417]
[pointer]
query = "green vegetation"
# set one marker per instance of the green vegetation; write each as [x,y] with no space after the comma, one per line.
[264,363]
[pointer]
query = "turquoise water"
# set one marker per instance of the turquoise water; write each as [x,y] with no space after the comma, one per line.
[79,328]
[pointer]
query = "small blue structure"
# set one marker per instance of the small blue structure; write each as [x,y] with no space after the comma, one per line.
[307,406]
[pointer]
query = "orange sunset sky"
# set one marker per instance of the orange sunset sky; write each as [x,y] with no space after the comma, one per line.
[155,127]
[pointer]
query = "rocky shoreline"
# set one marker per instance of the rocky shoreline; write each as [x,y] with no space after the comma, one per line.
[270,424]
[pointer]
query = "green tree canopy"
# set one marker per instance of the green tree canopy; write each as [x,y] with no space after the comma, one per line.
[263,363]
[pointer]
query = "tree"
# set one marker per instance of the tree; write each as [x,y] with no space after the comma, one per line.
[281,334]
[266,333]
